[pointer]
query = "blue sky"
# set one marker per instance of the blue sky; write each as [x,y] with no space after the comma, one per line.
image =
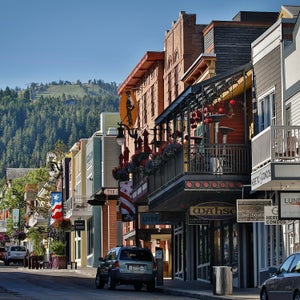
[44,41]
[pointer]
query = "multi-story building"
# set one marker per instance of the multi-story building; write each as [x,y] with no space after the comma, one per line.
[102,189]
[275,144]
[201,159]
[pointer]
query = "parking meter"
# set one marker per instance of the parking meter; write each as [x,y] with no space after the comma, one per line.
[159,256]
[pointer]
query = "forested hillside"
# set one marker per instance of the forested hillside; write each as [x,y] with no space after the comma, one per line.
[34,119]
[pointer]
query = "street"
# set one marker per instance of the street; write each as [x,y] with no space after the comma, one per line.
[20,283]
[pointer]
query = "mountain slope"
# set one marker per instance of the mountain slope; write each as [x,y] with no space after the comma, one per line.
[33,120]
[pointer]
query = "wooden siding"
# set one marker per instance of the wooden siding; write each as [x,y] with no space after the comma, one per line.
[233,45]
[267,73]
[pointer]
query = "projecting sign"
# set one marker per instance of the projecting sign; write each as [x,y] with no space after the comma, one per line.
[128,108]
[251,210]
[271,216]
[289,205]
[79,225]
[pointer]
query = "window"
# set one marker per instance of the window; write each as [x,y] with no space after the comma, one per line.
[295,267]
[285,266]
[266,110]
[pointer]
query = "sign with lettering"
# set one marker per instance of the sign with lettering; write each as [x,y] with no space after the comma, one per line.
[271,216]
[79,225]
[212,211]
[261,177]
[289,207]
[251,210]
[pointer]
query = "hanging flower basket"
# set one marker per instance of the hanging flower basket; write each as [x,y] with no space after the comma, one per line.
[138,157]
[120,173]
[19,235]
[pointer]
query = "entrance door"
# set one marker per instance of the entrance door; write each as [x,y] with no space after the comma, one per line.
[203,252]
[178,251]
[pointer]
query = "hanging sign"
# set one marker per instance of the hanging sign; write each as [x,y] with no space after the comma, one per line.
[271,216]
[128,108]
[251,210]
[15,215]
[79,225]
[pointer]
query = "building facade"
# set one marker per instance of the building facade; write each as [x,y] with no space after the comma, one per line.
[275,164]
[200,161]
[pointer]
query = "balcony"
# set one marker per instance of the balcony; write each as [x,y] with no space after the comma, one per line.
[74,208]
[206,168]
[275,159]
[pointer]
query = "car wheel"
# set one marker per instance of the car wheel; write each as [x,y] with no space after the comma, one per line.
[99,284]
[151,286]
[264,295]
[138,286]
[110,283]
[297,295]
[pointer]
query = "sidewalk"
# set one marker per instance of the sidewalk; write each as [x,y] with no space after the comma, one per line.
[194,289]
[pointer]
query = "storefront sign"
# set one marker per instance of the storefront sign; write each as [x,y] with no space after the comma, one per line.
[111,192]
[128,108]
[79,225]
[289,205]
[251,210]
[212,211]
[271,216]
[261,177]
[15,215]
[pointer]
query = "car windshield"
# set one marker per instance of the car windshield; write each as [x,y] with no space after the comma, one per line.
[133,254]
[18,248]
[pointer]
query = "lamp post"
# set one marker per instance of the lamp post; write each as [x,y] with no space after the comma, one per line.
[131,132]
[120,140]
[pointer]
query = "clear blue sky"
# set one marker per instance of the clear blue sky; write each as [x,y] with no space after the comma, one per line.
[51,40]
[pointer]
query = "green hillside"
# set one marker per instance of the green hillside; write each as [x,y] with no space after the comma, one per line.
[34,119]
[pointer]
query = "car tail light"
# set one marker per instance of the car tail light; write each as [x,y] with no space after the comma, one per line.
[117,264]
[154,267]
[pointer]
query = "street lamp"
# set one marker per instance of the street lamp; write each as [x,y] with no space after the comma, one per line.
[120,140]
[132,133]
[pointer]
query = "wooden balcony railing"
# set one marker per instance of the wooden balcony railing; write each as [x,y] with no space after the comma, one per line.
[212,159]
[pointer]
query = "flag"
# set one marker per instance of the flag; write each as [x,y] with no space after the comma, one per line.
[126,203]
[56,200]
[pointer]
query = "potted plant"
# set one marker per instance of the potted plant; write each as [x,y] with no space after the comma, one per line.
[58,257]
[37,255]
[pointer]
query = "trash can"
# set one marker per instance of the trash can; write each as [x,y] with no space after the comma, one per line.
[222,280]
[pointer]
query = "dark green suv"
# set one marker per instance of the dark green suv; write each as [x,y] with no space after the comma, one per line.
[127,265]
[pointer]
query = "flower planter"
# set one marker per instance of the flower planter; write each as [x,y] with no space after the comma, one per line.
[59,262]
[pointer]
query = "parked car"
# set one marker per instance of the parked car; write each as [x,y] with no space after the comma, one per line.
[2,253]
[127,265]
[15,254]
[284,284]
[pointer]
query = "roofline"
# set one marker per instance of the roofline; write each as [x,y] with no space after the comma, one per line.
[150,56]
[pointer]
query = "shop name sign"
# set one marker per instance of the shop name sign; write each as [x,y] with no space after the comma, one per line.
[251,210]
[212,211]
[261,177]
[79,225]
[271,216]
[289,207]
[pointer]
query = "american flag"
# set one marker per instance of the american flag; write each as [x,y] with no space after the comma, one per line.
[56,200]
[127,206]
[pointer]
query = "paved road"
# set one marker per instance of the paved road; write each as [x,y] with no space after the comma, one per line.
[19,283]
